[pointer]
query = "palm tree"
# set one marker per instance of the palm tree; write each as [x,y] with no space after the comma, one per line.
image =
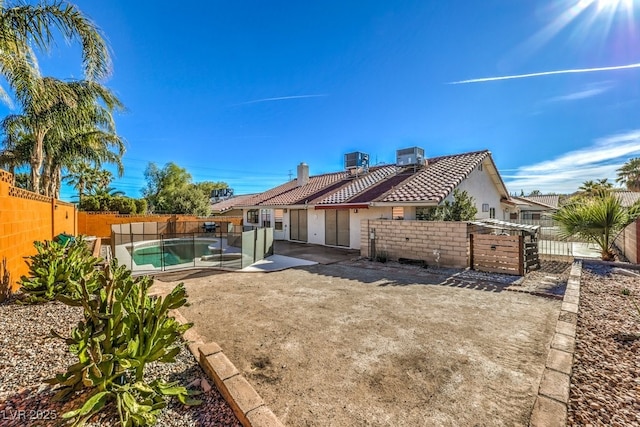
[597,219]
[82,176]
[66,113]
[25,27]
[599,188]
[629,174]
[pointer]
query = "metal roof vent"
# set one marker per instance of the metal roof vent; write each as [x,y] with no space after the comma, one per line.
[410,156]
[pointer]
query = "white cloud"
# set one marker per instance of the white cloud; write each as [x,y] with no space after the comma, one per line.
[588,92]
[548,73]
[567,172]
[282,98]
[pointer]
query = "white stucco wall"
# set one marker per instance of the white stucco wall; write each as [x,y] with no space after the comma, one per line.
[364,214]
[481,187]
[315,226]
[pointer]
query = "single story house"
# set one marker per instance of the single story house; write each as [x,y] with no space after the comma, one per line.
[535,208]
[327,209]
[229,206]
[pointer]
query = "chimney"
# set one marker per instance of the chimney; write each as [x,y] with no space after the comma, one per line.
[303,174]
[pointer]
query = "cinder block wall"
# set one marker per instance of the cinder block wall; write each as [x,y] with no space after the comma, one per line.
[418,240]
[627,241]
[26,217]
[99,223]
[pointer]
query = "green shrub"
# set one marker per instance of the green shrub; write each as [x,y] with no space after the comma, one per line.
[123,330]
[123,205]
[382,256]
[141,206]
[54,268]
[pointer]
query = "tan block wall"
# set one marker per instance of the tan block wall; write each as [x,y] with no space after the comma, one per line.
[627,242]
[26,217]
[99,223]
[418,240]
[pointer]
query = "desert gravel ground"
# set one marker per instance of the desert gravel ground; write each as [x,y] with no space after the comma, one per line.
[382,345]
[29,355]
[605,385]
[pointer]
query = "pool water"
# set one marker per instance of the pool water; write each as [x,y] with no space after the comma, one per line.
[171,253]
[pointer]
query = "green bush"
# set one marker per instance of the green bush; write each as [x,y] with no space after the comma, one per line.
[123,205]
[54,268]
[123,330]
[141,206]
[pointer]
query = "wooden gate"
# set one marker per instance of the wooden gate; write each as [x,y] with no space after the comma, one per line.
[497,254]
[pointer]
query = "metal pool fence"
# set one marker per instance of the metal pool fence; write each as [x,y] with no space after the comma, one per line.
[164,246]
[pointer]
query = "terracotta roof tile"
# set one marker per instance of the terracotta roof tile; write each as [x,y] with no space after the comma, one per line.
[358,185]
[436,180]
[627,198]
[298,195]
[550,200]
[231,203]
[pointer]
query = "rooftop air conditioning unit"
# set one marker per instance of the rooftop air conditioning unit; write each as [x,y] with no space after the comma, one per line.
[410,156]
[221,193]
[356,160]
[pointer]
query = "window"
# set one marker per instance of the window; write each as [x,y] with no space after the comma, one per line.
[485,207]
[423,213]
[278,215]
[252,216]
[513,215]
[397,212]
[265,217]
[480,167]
[492,212]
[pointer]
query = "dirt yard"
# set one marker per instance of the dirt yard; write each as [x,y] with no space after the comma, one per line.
[361,343]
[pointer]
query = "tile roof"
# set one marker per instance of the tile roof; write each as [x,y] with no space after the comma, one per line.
[389,183]
[628,198]
[550,200]
[435,181]
[358,185]
[230,203]
[292,194]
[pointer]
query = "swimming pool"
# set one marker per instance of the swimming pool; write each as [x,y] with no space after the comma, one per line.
[171,252]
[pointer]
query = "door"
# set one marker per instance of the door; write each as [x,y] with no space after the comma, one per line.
[298,225]
[336,227]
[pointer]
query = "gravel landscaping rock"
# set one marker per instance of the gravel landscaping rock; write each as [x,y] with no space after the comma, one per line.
[29,355]
[605,385]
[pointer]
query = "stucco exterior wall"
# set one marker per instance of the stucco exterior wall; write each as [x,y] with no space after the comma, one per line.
[26,217]
[418,240]
[481,187]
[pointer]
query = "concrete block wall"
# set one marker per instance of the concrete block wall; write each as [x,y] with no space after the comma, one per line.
[627,242]
[418,240]
[99,223]
[26,217]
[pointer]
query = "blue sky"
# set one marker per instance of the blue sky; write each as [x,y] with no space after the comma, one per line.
[243,91]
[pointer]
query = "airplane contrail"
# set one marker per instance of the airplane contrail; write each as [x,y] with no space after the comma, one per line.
[548,73]
[280,98]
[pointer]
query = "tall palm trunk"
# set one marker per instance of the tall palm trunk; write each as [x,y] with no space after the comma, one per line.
[36,160]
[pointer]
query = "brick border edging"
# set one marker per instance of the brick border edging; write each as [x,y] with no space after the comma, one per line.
[550,407]
[245,402]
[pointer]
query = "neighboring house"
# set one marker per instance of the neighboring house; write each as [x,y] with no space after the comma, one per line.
[627,198]
[327,209]
[535,208]
[229,206]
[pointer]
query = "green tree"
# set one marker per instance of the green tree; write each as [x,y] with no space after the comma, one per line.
[171,190]
[66,122]
[599,188]
[597,219]
[27,28]
[629,174]
[535,193]
[461,209]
